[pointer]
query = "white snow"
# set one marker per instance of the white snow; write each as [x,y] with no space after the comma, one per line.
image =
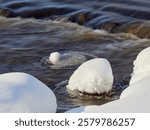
[54,57]
[93,76]
[135,98]
[21,92]
[141,65]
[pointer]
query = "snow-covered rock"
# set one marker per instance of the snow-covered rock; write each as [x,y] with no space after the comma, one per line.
[141,65]
[93,76]
[21,92]
[135,98]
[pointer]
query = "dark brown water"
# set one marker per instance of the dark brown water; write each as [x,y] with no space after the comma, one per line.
[31,29]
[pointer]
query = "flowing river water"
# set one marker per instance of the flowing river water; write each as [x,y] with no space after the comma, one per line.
[114,29]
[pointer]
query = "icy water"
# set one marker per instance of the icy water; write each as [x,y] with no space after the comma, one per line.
[31,29]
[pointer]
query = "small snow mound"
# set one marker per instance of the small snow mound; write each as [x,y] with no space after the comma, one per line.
[93,76]
[21,92]
[141,65]
[54,57]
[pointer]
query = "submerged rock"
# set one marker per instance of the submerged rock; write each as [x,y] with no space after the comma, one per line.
[138,28]
[6,12]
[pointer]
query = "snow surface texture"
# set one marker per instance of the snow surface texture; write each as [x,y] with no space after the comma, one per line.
[21,92]
[93,76]
[135,98]
[141,65]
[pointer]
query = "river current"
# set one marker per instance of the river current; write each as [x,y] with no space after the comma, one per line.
[114,29]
